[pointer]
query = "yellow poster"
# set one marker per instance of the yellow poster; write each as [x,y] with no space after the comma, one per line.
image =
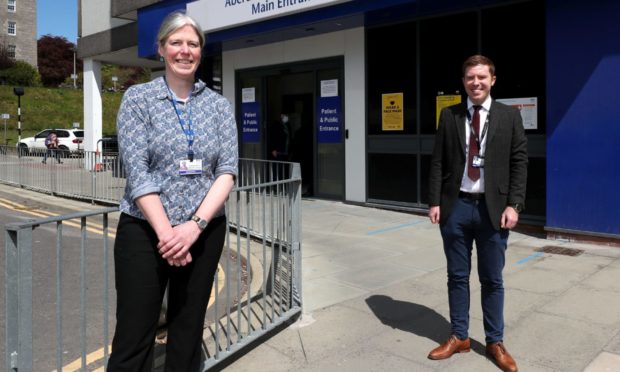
[392,111]
[446,101]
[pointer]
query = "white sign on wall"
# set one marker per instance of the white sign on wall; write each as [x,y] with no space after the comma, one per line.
[329,88]
[213,15]
[248,95]
[528,107]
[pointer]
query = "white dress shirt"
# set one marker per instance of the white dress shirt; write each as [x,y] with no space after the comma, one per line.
[467,184]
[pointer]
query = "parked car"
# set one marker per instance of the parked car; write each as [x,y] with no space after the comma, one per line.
[109,145]
[69,141]
[109,152]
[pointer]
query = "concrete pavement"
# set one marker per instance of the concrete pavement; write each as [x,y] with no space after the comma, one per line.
[375,299]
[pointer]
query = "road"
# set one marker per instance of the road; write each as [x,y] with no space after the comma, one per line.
[45,282]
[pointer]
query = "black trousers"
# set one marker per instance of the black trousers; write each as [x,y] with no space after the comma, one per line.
[141,277]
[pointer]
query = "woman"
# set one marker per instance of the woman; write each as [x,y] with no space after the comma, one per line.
[172,226]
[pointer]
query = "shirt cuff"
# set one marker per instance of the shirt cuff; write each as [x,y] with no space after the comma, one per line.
[142,190]
[225,170]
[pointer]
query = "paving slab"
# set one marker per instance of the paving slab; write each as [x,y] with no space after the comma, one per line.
[557,342]
[376,275]
[604,362]
[606,279]
[596,306]
[320,293]
[364,359]
[614,344]
[542,281]
[424,258]
[337,330]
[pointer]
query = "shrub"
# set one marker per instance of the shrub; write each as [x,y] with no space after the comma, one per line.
[21,73]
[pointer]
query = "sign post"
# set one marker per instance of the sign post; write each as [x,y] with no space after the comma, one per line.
[5,116]
[19,92]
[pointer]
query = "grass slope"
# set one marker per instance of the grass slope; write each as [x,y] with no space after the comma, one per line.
[43,108]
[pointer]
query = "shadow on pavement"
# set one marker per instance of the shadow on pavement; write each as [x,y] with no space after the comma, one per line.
[414,318]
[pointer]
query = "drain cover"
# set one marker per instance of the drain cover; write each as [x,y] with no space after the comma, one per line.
[553,249]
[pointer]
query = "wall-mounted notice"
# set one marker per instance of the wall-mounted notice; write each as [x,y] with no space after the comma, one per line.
[329,88]
[528,107]
[445,101]
[248,95]
[250,125]
[392,111]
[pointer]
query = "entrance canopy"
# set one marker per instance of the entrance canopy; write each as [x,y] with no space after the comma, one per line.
[236,24]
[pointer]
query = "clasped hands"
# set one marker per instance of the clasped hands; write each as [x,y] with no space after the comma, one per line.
[174,245]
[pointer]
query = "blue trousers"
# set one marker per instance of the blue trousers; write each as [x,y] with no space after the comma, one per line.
[468,223]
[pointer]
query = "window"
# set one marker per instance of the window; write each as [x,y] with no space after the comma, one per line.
[11,5]
[10,51]
[12,28]
[441,67]
[392,70]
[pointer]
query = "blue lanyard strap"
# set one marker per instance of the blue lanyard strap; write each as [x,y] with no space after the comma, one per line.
[189,132]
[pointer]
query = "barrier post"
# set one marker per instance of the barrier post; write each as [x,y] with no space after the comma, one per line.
[18,299]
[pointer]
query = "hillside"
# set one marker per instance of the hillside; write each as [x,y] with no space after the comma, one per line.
[51,108]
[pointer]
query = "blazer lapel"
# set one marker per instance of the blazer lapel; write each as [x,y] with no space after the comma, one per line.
[494,121]
[460,120]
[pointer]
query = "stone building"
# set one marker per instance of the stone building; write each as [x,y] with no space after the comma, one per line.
[19,29]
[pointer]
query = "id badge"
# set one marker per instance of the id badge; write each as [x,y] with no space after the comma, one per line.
[187,167]
[477,161]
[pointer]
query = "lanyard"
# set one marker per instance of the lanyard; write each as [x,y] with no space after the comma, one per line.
[189,133]
[473,132]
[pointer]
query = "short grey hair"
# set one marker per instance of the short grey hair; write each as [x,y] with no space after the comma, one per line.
[175,21]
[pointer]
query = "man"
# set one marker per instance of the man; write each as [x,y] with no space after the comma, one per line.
[279,139]
[476,192]
[51,142]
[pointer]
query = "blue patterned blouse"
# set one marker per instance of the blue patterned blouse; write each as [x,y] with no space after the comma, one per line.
[152,145]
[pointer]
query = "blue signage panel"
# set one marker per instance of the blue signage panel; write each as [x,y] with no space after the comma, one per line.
[250,125]
[149,20]
[583,135]
[329,120]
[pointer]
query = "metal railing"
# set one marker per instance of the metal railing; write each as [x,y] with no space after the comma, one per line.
[257,287]
[86,175]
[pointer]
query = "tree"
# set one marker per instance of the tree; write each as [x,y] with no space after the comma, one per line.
[55,59]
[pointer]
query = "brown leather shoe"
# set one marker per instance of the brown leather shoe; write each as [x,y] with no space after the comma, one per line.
[453,345]
[498,353]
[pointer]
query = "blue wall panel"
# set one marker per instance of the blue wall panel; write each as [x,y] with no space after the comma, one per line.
[149,19]
[583,116]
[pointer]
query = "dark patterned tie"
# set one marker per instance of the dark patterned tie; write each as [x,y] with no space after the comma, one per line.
[473,172]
